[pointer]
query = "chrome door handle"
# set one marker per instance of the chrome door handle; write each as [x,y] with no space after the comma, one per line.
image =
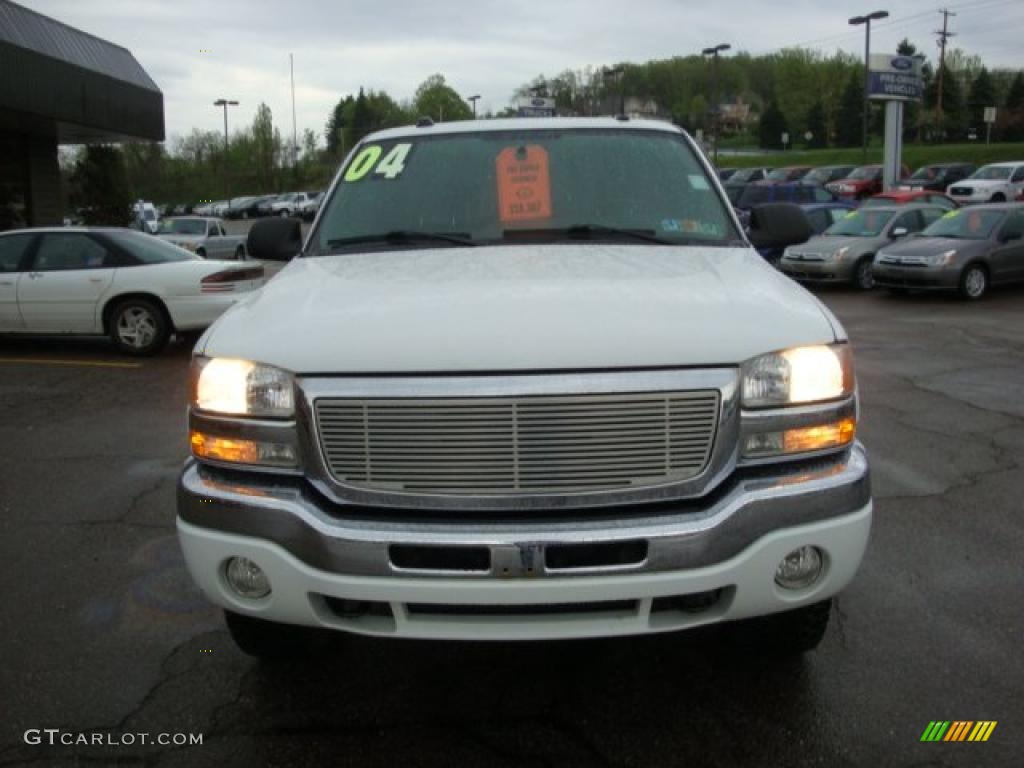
[95,279]
[34,275]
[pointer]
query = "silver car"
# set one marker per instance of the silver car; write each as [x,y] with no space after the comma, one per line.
[844,252]
[967,250]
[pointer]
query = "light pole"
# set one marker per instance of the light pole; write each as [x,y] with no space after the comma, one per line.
[866,21]
[474,98]
[713,53]
[617,73]
[225,103]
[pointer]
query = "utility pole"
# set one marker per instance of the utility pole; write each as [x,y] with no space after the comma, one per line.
[713,53]
[295,134]
[944,35]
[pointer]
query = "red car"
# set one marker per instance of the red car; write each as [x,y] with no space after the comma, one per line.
[910,196]
[865,181]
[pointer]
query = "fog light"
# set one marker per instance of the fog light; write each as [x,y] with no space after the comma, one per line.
[800,568]
[246,578]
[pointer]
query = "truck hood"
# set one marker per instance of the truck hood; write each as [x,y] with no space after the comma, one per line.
[981,183]
[552,307]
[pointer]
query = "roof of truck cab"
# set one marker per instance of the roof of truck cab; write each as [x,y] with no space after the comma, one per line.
[524,124]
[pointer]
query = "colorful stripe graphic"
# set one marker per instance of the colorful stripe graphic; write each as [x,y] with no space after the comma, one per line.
[958,730]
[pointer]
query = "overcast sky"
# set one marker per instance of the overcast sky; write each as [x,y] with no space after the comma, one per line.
[480,46]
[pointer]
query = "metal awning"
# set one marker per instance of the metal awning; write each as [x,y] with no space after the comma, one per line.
[62,82]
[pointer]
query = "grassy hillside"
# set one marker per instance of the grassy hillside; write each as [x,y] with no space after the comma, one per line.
[914,155]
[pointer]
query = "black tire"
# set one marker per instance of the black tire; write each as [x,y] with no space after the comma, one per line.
[240,252]
[201,253]
[863,279]
[998,197]
[973,282]
[284,214]
[790,633]
[139,327]
[267,640]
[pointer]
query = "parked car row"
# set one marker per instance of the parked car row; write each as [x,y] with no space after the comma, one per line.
[916,247]
[300,204]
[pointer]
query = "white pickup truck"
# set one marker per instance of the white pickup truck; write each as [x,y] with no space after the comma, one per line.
[524,379]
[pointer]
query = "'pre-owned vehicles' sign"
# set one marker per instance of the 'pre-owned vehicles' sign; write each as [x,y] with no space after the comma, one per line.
[895,77]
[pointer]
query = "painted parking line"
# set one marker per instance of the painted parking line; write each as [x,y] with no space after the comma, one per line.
[81,363]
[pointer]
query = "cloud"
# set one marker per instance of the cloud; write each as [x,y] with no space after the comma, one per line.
[485,46]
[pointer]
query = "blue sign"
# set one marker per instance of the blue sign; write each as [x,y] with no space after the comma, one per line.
[894,85]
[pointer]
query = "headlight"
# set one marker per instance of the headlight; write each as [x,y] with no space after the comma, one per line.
[241,388]
[798,375]
[941,259]
[840,253]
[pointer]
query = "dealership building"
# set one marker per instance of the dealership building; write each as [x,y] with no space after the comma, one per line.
[59,85]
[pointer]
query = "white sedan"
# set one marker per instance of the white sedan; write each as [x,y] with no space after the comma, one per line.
[134,287]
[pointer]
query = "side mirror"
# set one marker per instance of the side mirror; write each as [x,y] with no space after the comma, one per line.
[274,239]
[899,232]
[776,225]
[1009,237]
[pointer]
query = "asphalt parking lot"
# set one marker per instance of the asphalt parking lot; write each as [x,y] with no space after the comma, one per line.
[104,631]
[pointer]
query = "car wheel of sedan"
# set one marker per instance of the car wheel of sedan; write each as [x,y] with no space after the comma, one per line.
[998,197]
[240,252]
[863,277]
[973,282]
[201,253]
[139,327]
[284,214]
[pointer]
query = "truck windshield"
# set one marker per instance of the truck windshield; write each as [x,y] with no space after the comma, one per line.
[503,187]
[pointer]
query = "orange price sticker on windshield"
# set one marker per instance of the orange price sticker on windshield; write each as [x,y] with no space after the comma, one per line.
[524,184]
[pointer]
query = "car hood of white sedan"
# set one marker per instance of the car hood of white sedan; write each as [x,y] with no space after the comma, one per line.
[515,308]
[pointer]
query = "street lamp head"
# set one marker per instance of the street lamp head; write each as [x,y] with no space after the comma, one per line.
[856,20]
[474,97]
[715,50]
[225,103]
[878,15]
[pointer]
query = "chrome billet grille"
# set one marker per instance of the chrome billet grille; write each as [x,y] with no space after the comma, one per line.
[517,445]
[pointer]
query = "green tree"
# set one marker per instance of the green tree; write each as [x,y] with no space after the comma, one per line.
[771,127]
[981,95]
[266,148]
[1011,121]
[953,125]
[815,123]
[849,122]
[100,182]
[439,101]
[334,131]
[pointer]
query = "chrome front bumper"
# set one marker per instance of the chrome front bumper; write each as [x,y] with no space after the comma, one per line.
[357,541]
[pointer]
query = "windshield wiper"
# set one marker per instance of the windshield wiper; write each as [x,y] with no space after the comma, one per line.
[584,230]
[403,236]
[587,232]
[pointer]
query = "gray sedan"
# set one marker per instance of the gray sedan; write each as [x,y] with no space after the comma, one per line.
[967,250]
[845,251]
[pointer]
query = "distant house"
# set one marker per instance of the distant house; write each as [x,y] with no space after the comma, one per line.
[735,117]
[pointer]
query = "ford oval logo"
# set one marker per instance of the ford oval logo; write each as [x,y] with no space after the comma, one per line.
[901,62]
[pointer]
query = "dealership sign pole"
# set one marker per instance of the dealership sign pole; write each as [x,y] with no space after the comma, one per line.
[894,80]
